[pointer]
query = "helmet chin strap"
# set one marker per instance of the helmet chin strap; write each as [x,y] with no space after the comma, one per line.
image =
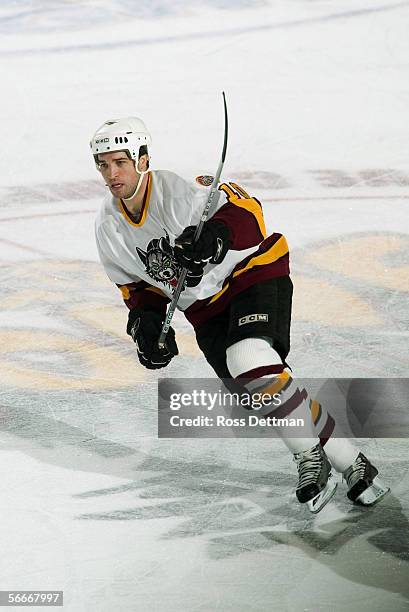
[142,174]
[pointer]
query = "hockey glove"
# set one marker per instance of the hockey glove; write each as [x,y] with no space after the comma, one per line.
[211,247]
[144,326]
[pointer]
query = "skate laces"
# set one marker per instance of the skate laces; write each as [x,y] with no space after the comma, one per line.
[356,471]
[309,464]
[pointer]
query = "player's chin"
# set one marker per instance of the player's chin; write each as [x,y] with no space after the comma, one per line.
[116,190]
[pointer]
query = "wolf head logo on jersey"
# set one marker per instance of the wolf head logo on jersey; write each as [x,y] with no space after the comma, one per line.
[158,261]
[160,264]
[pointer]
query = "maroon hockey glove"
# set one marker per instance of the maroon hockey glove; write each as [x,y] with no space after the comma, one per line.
[144,327]
[211,247]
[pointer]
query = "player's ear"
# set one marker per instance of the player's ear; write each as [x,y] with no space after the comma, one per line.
[97,164]
[143,162]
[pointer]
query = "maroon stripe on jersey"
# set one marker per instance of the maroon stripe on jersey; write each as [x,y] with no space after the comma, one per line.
[245,232]
[290,405]
[148,300]
[262,371]
[327,430]
[142,296]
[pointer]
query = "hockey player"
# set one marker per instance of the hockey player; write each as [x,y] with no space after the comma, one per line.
[237,294]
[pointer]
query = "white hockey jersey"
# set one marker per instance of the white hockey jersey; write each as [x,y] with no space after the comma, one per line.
[134,250]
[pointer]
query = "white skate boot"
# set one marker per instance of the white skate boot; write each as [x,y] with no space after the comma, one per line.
[364,486]
[316,485]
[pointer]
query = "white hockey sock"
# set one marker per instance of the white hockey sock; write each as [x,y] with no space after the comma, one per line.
[341,453]
[258,366]
[333,437]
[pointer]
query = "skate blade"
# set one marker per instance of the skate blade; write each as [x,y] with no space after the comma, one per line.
[319,501]
[373,494]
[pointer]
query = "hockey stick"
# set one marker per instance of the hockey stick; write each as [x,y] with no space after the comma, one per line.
[203,218]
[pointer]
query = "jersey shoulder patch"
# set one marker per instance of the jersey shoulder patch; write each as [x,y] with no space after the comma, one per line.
[205,180]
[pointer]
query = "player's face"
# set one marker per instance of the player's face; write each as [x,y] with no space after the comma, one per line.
[119,172]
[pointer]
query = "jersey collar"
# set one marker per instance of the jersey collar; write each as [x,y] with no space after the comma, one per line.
[140,220]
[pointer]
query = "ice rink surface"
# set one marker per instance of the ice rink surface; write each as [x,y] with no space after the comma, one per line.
[91,501]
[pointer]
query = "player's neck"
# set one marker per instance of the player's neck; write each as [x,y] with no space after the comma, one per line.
[134,205]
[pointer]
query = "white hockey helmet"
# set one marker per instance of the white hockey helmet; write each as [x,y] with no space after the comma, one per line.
[126,134]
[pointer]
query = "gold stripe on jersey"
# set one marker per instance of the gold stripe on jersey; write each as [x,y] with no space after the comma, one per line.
[241,191]
[126,293]
[231,195]
[315,411]
[253,207]
[145,207]
[239,197]
[279,249]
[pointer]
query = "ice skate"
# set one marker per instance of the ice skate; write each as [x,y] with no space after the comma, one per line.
[364,486]
[316,485]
